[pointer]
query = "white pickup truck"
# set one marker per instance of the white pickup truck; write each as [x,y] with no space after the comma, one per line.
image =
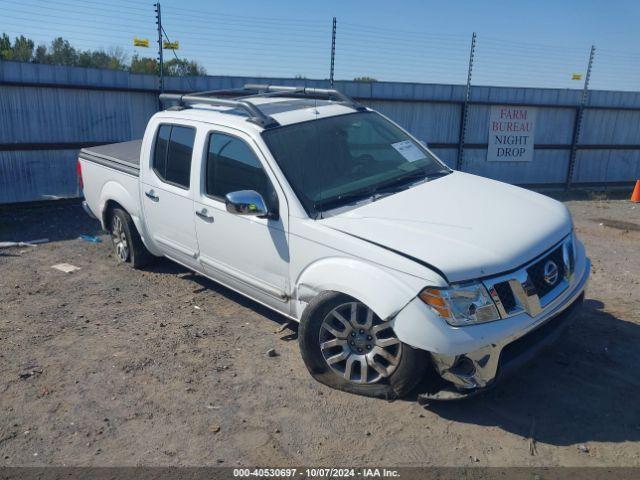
[332,215]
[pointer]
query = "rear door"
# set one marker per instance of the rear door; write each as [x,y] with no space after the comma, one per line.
[167,192]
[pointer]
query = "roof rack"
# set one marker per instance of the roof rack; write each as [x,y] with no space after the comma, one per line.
[253,111]
[185,100]
[322,93]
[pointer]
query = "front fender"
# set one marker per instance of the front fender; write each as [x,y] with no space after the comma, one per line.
[377,287]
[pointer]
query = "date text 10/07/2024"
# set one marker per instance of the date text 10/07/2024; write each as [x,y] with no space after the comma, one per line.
[315,472]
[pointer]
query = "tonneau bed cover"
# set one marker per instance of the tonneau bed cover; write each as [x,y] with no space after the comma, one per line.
[124,156]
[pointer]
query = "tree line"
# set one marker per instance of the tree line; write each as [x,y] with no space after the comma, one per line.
[61,52]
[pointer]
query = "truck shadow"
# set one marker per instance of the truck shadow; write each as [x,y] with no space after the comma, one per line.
[56,221]
[163,265]
[583,389]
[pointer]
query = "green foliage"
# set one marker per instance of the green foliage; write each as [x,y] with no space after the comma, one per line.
[61,52]
[6,51]
[40,55]
[365,79]
[183,68]
[143,65]
[114,59]
[20,51]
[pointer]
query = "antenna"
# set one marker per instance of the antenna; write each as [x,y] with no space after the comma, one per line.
[333,52]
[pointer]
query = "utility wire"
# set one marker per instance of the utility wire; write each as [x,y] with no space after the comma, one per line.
[189,13]
[404,32]
[93,27]
[208,22]
[74,9]
[174,54]
[260,43]
[120,7]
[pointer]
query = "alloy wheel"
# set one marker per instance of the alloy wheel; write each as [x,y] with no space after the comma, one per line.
[358,345]
[119,239]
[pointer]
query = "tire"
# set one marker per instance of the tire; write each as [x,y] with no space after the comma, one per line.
[126,240]
[404,373]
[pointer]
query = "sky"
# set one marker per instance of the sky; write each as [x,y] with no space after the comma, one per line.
[519,43]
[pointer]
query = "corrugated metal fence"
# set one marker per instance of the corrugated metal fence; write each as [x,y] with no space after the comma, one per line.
[48,112]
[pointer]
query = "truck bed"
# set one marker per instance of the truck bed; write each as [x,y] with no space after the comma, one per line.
[123,156]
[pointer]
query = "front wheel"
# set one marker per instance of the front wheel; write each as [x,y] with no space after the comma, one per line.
[345,345]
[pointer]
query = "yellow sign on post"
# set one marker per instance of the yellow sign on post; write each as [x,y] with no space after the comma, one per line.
[140,42]
[171,45]
[576,76]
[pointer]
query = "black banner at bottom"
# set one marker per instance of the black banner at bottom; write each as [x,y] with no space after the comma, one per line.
[407,473]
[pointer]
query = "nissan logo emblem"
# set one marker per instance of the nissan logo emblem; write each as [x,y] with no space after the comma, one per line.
[550,272]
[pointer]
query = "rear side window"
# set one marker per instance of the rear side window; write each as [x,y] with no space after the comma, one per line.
[232,166]
[172,154]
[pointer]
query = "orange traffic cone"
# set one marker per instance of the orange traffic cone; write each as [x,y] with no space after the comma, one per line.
[635,196]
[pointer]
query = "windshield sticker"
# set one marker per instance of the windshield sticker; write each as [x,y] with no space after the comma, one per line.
[409,150]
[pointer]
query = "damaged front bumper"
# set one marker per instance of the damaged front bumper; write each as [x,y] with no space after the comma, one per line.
[473,372]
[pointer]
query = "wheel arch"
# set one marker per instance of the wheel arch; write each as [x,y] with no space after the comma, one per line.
[368,283]
[106,213]
[114,195]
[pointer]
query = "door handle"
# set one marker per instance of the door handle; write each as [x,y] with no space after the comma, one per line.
[151,194]
[204,215]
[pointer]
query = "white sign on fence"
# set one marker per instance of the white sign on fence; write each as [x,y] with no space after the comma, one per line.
[511,131]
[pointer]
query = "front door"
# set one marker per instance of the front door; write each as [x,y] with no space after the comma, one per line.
[167,195]
[246,253]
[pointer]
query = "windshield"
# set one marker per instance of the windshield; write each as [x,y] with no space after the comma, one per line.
[338,160]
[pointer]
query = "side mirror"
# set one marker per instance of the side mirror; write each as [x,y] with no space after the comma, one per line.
[247,202]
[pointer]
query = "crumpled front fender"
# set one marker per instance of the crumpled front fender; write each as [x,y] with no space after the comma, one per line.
[383,290]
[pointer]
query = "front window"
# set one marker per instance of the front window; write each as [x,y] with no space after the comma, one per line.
[232,166]
[336,161]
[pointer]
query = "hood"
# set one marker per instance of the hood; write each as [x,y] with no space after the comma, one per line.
[463,225]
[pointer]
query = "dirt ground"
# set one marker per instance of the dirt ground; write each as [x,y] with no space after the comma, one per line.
[111,366]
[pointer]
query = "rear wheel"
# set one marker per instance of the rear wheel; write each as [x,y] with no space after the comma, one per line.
[345,345]
[126,240]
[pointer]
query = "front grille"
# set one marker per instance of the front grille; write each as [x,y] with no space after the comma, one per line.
[526,289]
[536,272]
[505,294]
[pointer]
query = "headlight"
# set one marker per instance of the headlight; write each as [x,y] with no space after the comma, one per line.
[569,254]
[461,305]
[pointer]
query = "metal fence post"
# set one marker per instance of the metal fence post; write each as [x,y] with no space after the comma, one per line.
[465,106]
[160,60]
[577,124]
[333,52]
